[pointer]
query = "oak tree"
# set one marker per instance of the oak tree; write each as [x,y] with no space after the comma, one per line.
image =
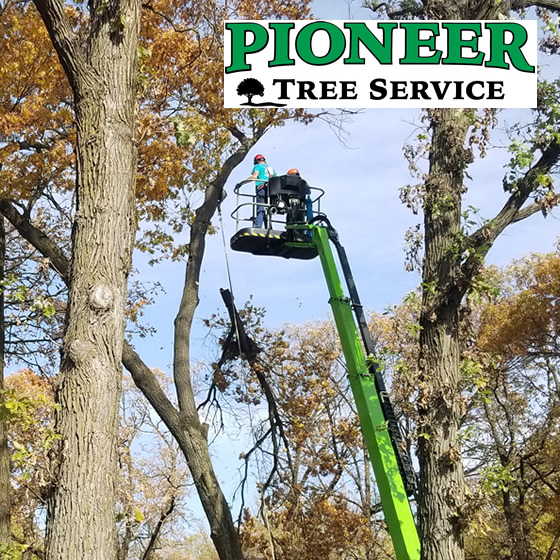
[186,141]
[452,259]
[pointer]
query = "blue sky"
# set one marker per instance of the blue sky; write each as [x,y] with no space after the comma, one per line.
[362,181]
[361,177]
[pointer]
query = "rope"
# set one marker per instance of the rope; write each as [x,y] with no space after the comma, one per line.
[228,274]
[251,423]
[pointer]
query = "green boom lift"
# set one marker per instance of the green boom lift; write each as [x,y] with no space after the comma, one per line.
[307,233]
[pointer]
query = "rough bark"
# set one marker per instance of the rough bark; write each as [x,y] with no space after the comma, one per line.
[5,488]
[195,445]
[446,279]
[103,76]
[182,422]
[441,491]
[518,527]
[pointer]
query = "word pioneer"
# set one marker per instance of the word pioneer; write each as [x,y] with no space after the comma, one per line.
[314,64]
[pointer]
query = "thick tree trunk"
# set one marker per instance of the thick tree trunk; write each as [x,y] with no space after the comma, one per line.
[81,511]
[518,527]
[441,492]
[184,423]
[5,488]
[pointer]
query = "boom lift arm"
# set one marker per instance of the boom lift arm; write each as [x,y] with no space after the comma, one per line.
[377,419]
[392,467]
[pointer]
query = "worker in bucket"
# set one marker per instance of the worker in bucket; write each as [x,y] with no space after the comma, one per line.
[262,172]
[308,201]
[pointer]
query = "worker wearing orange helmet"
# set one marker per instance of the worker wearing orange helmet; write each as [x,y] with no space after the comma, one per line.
[262,172]
[308,201]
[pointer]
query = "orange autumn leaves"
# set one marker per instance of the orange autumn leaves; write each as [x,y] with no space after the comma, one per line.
[180,79]
[37,137]
[184,133]
[35,114]
[529,316]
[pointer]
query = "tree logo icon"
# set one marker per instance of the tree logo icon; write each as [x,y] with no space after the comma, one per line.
[251,87]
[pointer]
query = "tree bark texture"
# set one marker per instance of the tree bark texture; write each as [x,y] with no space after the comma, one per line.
[103,75]
[185,426]
[518,526]
[442,486]
[5,486]
[182,421]
[195,445]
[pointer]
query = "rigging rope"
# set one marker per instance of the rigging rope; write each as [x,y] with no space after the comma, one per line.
[228,274]
[251,423]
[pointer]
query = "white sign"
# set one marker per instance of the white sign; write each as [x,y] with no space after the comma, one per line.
[404,64]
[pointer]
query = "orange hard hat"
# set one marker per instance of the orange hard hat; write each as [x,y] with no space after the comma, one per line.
[292,171]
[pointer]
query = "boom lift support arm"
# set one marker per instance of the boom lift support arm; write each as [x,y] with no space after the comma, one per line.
[379,425]
[305,239]
[403,458]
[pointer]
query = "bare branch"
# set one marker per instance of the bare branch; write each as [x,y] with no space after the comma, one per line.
[157,531]
[520,5]
[189,300]
[413,12]
[46,246]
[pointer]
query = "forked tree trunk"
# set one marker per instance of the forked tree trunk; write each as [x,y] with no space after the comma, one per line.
[441,472]
[81,511]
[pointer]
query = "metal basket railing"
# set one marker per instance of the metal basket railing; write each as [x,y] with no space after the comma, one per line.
[245,212]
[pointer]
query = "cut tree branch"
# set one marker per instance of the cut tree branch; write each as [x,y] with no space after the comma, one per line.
[520,5]
[157,531]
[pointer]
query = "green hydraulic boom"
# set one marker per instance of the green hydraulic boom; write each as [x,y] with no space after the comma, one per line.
[305,237]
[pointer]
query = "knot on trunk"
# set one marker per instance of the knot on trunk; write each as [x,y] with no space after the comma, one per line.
[80,351]
[101,298]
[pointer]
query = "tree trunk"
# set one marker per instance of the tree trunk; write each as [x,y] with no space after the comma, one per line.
[183,424]
[441,491]
[81,510]
[195,445]
[5,488]
[518,527]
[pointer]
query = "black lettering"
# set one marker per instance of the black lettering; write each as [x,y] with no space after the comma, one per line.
[348,90]
[380,89]
[495,90]
[399,87]
[458,90]
[306,90]
[419,90]
[437,88]
[326,88]
[470,93]
[283,87]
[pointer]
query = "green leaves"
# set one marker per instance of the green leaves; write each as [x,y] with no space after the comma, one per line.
[184,137]
[14,406]
[12,551]
[496,478]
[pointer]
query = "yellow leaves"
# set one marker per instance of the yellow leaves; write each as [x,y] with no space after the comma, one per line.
[326,528]
[275,9]
[530,315]
[180,77]
[138,515]
[34,106]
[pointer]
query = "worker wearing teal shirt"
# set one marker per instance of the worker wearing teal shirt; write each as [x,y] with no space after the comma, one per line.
[263,172]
